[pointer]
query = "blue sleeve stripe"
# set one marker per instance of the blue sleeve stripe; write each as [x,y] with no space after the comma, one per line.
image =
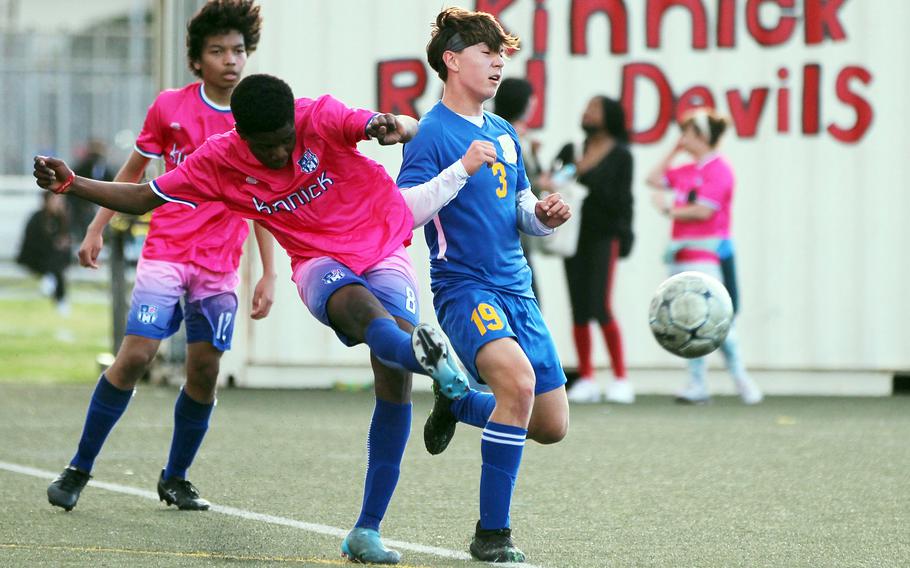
[147,154]
[167,197]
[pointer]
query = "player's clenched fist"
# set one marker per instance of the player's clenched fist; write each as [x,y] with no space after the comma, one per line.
[52,174]
[479,153]
[392,129]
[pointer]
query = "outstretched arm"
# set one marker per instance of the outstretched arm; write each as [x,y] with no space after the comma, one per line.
[54,175]
[391,129]
[264,293]
[93,241]
[425,200]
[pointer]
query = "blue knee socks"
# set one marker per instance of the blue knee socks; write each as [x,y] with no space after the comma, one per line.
[105,408]
[474,408]
[191,422]
[500,450]
[388,437]
[392,345]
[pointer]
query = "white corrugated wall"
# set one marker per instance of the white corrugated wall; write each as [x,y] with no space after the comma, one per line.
[820,225]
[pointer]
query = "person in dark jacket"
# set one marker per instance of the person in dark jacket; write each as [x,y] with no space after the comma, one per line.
[46,247]
[605,235]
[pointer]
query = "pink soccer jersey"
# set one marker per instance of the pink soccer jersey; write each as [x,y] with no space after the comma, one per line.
[177,123]
[707,183]
[330,200]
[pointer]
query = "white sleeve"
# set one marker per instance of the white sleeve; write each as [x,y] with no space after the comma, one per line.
[528,223]
[425,200]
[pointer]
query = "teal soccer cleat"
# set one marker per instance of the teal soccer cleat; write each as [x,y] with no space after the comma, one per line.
[432,352]
[365,546]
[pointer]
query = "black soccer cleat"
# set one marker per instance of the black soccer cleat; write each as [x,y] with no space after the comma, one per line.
[440,425]
[182,493]
[495,545]
[64,491]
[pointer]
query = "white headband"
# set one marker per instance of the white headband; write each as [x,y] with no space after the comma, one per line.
[703,123]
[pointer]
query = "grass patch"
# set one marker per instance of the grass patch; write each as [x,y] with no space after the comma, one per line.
[39,345]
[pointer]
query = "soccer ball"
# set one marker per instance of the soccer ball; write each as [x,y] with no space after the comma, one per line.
[690,314]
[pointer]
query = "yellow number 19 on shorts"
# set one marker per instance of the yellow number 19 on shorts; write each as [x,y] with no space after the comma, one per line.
[485,318]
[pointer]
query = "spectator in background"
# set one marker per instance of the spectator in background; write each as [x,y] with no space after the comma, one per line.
[700,207]
[515,102]
[45,248]
[605,235]
[94,166]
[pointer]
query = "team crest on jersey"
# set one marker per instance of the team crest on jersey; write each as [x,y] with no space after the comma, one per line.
[147,313]
[308,162]
[509,154]
[333,276]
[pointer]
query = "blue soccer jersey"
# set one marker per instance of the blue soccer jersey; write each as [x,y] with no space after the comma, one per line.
[475,237]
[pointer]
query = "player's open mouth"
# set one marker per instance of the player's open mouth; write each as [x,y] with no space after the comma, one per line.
[495,78]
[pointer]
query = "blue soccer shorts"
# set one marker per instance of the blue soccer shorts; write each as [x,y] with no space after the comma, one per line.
[473,316]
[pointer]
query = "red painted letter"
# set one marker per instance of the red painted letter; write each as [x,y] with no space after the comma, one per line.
[537,76]
[581,12]
[494,7]
[812,76]
[399,99]
[860,105]
[656,9]
[726,23]
[770,36]
[746,114]
[821,20]
[630,73]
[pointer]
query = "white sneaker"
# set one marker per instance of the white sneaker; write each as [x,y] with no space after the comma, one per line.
[749,391]
[584,391]
[621,392]
[47,284]
[63,308]
[693,394]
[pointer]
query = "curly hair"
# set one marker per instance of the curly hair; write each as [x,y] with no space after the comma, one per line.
[262,103]
[219,17]
[457,28]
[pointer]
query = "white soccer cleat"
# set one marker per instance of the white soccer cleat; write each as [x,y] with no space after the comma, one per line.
[621,392]
[694,393]
[432,352]
[749,391]
[584,391]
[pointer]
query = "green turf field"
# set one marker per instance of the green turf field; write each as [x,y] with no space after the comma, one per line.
[37,344]
[793,482]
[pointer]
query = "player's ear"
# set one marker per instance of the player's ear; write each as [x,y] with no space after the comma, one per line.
[450,59]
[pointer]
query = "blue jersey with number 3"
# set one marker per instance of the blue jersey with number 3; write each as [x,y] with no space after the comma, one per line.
[473,239]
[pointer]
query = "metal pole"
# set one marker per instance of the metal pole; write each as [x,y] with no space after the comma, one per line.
[118,287]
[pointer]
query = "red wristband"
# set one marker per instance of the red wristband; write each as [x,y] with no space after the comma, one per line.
[65,185]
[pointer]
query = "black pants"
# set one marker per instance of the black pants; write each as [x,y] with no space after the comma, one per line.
[589,274]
